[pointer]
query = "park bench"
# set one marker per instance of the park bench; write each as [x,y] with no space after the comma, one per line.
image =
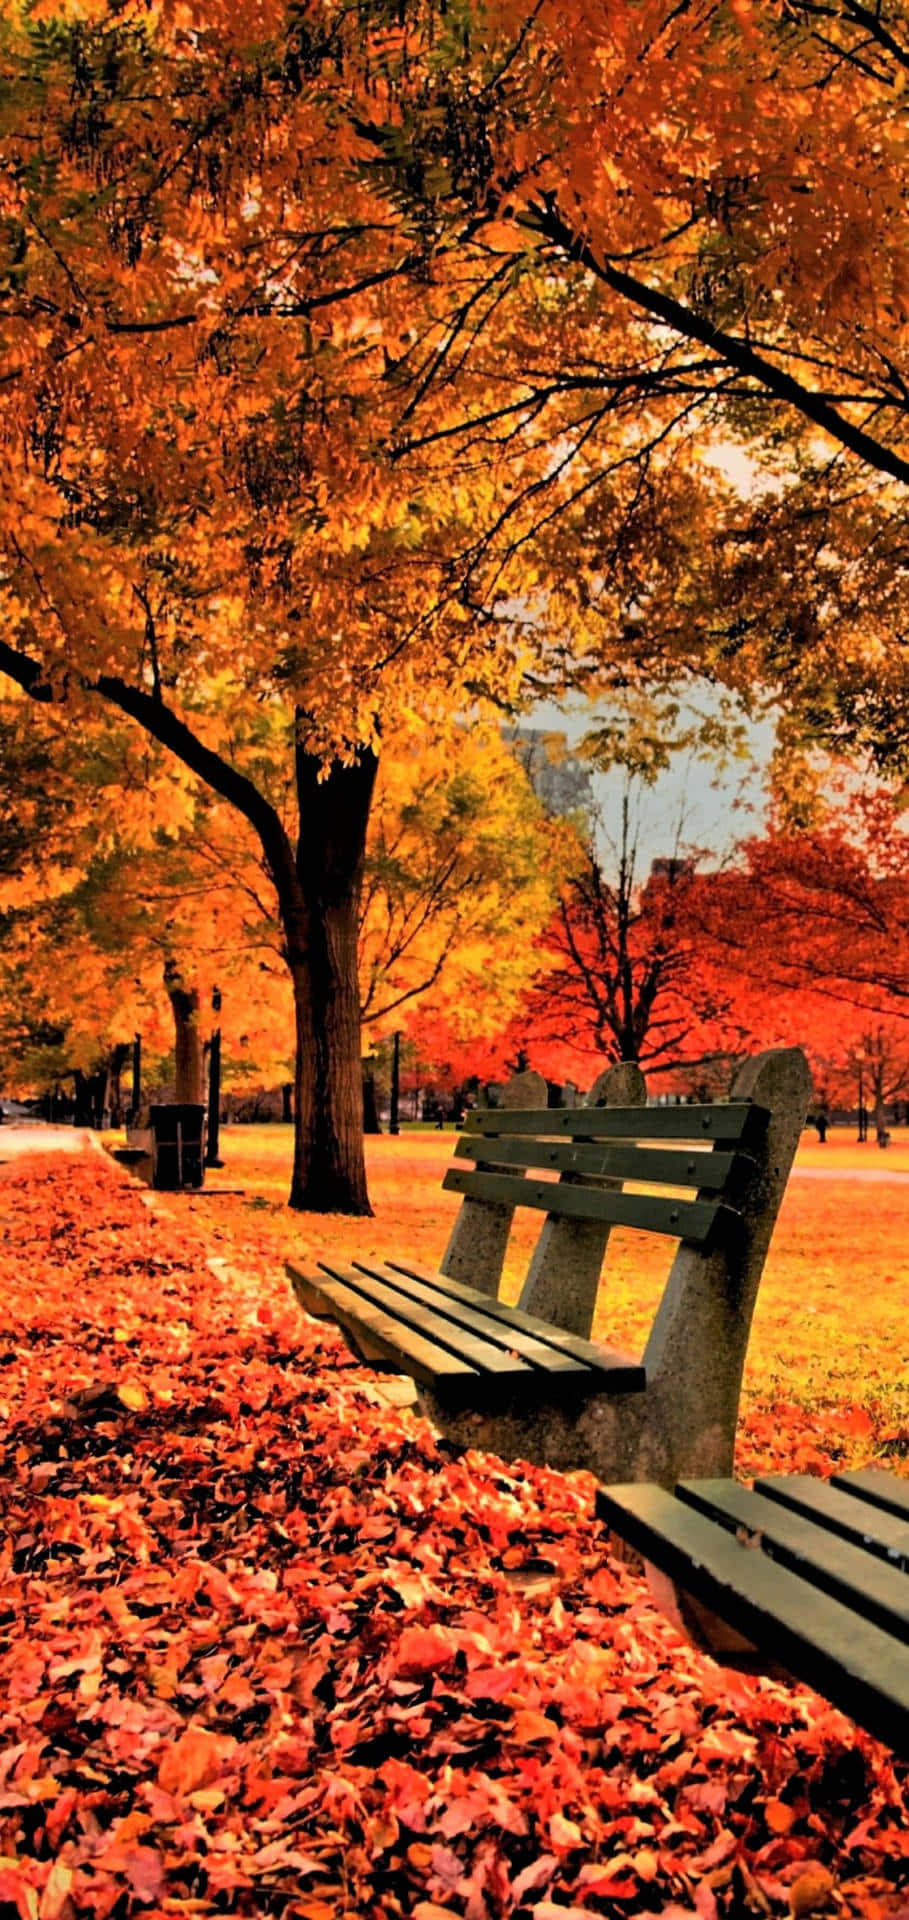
[527,1382]
[806,1576]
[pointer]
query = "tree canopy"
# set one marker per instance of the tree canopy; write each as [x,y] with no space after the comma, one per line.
[361,366]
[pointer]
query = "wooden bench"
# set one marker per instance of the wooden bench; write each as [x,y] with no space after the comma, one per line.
[803,1575]
[528,1382]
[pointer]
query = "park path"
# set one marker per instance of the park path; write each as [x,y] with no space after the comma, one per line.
[882,1173]
[41,1136]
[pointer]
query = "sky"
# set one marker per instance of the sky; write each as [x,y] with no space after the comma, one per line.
[693,804]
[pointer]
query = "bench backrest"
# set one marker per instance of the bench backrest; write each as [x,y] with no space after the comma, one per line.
[701,1149]
[712,1177]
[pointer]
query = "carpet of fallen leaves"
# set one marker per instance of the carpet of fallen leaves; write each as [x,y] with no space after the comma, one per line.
[266,1646]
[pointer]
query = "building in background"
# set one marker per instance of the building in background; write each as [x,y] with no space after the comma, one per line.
[560,779]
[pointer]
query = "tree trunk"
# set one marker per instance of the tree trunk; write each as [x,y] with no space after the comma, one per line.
[329,1174]
[118,1060]
[189,1071]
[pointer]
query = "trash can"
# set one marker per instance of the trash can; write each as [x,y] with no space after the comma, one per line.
[178,1146]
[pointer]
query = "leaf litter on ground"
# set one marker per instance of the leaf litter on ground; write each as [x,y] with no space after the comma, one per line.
[265,1644]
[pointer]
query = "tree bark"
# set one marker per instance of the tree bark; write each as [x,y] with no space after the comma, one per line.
[189,1072]
[321,927]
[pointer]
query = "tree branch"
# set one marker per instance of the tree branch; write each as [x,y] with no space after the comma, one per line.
[736,353]
[171,732]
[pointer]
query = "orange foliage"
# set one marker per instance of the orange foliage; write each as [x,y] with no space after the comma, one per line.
[269,1646]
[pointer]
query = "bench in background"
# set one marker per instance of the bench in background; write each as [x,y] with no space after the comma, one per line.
[527,1382]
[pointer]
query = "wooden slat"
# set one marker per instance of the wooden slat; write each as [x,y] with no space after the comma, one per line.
[729,1121]
[692,1220]
[854,1519]
[407,1350]
[484,1356]
[618,1372]
[859,1579]
[858,1666]
[513,1340]
[709,1170]
[883,1489]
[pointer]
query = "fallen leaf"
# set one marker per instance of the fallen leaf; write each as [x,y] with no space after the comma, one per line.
[810,1891]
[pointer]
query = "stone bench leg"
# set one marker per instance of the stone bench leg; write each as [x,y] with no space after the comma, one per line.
[695,1356]
[476,1250]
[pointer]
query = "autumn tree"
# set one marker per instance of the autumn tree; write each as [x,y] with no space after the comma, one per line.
[706,203]
[810,925]
[127,878]
[180,473]
[462,868]
[825,909]
[360,366]
[215,523]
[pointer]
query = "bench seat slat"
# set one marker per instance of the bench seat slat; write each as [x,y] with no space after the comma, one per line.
[444,1307]
[620,1372]
[729,1121]
[325,1297]
[881,1488]
[854,1662]
[384,1319]
[844,1513]
[848,1572]
[691,1220]
[707,1170]
[482,1355]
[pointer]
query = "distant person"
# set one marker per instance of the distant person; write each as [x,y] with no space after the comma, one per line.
[821,1124]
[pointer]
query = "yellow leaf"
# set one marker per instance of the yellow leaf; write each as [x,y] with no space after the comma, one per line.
[810,1891]
[131,1395]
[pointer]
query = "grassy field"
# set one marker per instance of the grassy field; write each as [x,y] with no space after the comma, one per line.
[827,1377]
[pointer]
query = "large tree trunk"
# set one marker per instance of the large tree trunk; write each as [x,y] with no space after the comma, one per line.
[329,1174]
[189,1073]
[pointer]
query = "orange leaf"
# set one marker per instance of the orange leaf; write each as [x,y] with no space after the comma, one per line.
[421,1649]
[530,1725]
[194,1759]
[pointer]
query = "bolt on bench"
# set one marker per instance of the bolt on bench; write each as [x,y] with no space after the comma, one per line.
[527,1382]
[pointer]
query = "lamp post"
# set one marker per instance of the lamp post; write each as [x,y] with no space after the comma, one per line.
[393,1126]
[214,1087]
[136,1094]
[862,1115]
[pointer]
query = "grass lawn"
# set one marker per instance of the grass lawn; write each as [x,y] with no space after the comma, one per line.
[827,1377]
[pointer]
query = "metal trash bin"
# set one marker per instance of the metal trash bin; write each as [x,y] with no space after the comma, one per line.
[178,1146]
